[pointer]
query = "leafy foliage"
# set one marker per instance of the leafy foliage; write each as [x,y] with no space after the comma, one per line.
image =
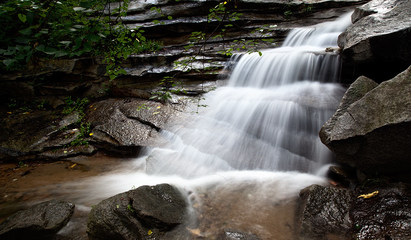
[79,106]
[71,28]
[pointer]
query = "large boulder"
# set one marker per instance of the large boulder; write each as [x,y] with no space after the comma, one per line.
[371,129]
[379,41]
[123,126]
[146,212]
[41,221]
[323,213]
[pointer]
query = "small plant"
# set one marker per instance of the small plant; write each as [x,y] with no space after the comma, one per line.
[288,13]
[75,105]
[142,107]
[22,164]
[85,131]
[12,103]
[130,208]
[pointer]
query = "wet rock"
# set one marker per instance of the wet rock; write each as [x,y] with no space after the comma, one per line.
[323,212]
[379,41]
[67,152]
[57,138]
[151,113]
[161,206]
[124,126]
[41,221]
[386,215]
[373,133]
[21,131]
[236,235]
[341,176]
[146,212]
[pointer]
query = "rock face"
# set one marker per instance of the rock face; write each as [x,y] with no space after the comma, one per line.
[146,212]
[323,212]
[371,129]
[379,41]
[119,126]
[41,221]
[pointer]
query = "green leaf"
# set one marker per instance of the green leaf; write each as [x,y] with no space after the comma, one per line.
[60,53]
[9,62]
[26,31]
[22,17]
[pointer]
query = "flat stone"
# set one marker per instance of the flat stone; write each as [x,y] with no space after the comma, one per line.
[41,221]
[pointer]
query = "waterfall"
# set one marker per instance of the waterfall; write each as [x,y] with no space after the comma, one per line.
[268,115]
[244,159]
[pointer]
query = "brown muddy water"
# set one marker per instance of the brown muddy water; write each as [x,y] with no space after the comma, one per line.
[248,202]
[25,184]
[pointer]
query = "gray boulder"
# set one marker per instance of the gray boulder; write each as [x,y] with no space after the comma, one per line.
[371,130]
[146,212]
[379,41]
[41,221]
[123,126]
[323,213]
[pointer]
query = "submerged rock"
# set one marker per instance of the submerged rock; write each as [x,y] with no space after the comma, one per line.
[371,130]
[236,235]
[41,221]
[379,41]
[323,212]
[146,212]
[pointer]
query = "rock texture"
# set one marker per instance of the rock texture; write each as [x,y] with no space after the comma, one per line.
[379,41]
[125,125]
[387,215]
[41,221]
[376,209]
[371,129]
[323,213]
[144,213]
[118,126]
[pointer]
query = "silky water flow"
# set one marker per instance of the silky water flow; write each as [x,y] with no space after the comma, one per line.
[243,160]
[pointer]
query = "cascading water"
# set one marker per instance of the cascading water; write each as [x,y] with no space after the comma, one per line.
[269,114]
[256,143]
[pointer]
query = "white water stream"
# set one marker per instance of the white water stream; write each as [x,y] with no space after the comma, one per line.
[257,141]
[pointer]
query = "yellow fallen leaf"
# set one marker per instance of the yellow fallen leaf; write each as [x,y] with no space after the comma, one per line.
[195,232]
[155,113]
[158,107]
[369,195]
[8,112]
[91,134]
[149,232]
[64,152]
[72,166]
